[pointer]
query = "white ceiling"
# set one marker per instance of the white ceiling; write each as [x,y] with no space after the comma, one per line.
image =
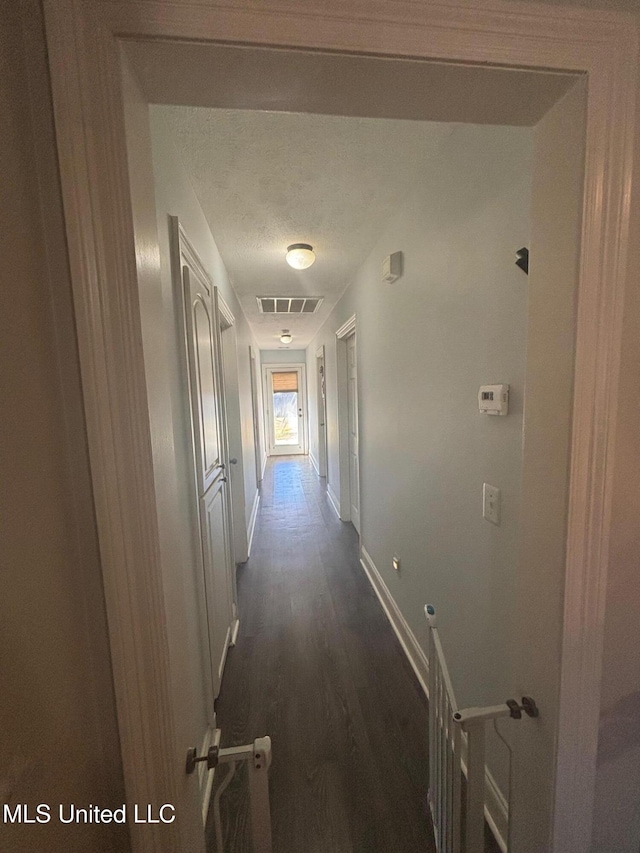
[268,179]
[309,81]
[286,146]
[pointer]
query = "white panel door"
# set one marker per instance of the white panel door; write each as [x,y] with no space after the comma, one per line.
[354,464]
[208,423]
[200,330]
[322,415]
[216,546]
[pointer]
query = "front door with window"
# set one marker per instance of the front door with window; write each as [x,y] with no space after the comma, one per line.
[285,409]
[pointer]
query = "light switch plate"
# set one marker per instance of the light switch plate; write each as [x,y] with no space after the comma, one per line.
[491,503]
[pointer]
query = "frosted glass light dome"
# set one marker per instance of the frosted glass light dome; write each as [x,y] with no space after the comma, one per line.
[300,256]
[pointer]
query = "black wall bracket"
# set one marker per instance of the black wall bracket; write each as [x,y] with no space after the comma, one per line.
[523,259]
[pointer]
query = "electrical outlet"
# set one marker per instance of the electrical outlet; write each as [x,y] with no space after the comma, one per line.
[395,562]
[491,503]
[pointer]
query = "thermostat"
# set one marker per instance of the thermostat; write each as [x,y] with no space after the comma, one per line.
[493,399]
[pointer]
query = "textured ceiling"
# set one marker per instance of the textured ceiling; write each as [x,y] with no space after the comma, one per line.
[268,179]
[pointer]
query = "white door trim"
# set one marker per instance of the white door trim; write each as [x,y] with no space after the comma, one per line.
[347,328]
[240,542]
[321,412]
[344,503]
[350,416]
[302,367]
[226,316]
[254,377]
[83,55]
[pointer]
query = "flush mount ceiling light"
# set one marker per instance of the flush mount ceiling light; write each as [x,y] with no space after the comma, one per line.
[285,337]
[300,256]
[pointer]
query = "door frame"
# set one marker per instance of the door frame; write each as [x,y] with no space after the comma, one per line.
[344,502]
[83,50]
[266,368]
[321,411]
[227,323]
[229,346]
[254,378]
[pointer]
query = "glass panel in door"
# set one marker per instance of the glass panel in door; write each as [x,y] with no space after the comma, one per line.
[284,389]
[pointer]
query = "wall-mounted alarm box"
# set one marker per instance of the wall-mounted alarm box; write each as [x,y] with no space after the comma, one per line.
[493,399]
[392,267]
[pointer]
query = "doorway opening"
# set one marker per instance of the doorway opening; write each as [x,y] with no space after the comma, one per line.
[348,421]
[256,413]
[235,428]
[439,162]
[118,279]
[499,195]
[285,409]
[321,404]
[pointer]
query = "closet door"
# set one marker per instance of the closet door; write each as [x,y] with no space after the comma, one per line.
[204,383]
[214,524]
[202,347]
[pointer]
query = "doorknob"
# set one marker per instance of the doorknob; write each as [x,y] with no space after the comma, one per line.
[233,461]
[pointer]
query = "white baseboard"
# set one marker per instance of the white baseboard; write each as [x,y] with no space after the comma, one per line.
[235,627]
[252,522]
[414,653]
[496,808]
[314,462]
[333,500]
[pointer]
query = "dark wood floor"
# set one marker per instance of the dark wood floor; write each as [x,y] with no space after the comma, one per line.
[318,668]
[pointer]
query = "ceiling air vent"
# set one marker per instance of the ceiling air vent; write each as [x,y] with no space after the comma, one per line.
[289,304]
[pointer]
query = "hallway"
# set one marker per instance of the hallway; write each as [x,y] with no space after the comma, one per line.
[318,668]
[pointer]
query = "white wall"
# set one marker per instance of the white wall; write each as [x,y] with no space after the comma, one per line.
[283,356]
[616,819]
[455,320]
[556,219]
